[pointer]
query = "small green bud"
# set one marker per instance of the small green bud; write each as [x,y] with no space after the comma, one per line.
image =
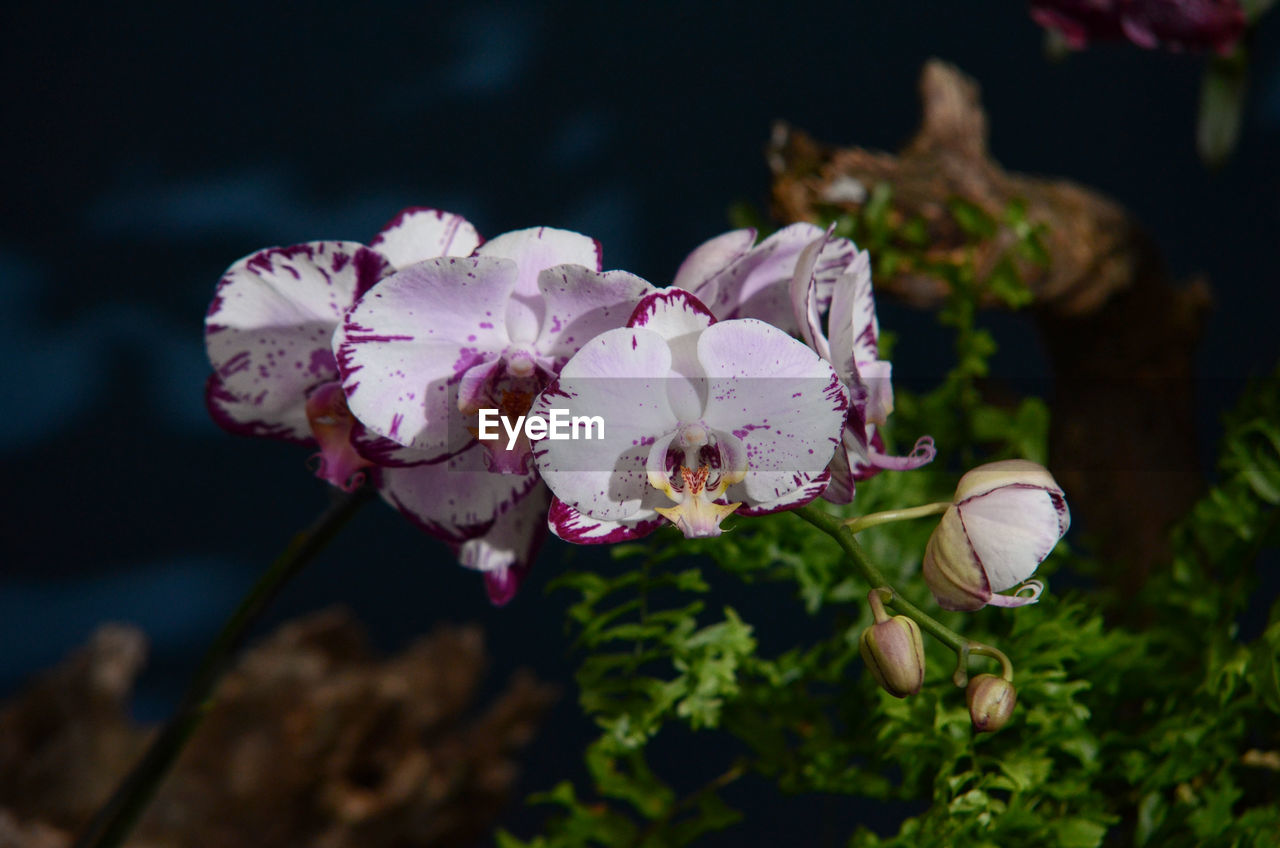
[894,653]
[991,700]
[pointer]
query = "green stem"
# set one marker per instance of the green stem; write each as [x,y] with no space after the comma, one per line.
[836,529]
[116,819]
[862,522]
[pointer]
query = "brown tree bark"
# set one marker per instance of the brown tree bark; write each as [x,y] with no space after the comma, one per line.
[1120,336]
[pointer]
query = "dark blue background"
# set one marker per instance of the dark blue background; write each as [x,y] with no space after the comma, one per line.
[147,146]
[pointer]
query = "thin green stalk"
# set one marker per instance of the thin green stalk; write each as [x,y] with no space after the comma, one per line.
[872,519]
[116,819]
[836,529]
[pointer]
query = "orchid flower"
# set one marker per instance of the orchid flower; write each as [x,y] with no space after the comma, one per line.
[851,345]
[738,280]
[701,419]
[438,341]
[268,333]
[431,345]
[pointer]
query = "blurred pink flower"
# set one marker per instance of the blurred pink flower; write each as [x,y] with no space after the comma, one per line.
[1176,25]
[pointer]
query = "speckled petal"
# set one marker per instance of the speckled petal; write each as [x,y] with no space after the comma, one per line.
[419,233]
[269,329]
[582,303]
[455,500]
[619,376]
[538,248]
[405,345]
[245,418]
[572,526]
[853,329]
[775,394]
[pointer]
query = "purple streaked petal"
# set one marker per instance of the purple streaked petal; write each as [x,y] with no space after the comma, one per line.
[853,329]
[245,418]
[405,345]
[455,500]
[712,257]
[780,398]
[419,233]
[505,554]
[842,485]
[538,248]
[582,303]
[383,451]
[269,329]
[671,313]
[572,526]
[922,453]
[798,492]
[620,376]
[877,377]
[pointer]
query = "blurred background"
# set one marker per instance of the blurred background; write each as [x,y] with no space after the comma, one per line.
[148,146]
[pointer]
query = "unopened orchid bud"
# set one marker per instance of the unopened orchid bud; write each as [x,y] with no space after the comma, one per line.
[893,650]
[1004,520]
[991,701]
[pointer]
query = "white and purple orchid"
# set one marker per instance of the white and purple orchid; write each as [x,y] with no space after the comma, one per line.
[737,278]
[269,329]
[701,419]
[430,346]
[851,345]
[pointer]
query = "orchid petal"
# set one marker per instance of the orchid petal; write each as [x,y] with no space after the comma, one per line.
[671,313]
[757,284]
[804,300]
[404,346]
[419,233]
[711,257]
[571,525]
[1012,529]
[472,388]
[853,329]
[922,453]
[246,418]
[842,486]
[538,248]
[804,488]
[775,394]
[582,303]
[455,500]
[383,451]
[877,377]
[506,552]
[620,376]
[270,326]
[332,424]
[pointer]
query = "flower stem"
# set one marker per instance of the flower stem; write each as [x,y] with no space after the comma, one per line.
[117,817]
[843,534]
[862,522]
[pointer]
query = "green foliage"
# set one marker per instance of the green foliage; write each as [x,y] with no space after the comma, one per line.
[1164,734]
